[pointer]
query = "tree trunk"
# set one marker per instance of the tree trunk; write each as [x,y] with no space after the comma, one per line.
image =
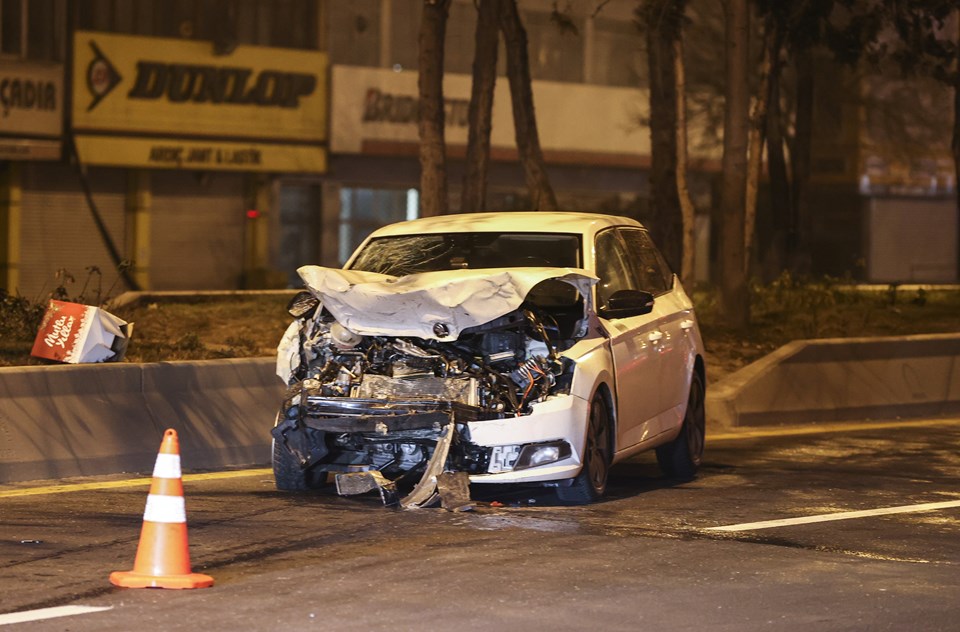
[779,183]
[662,30]
[955,142]
[433,160]
[474,195]
[756,139]
[687,211]
[524,115]
[798,237]
[734,297]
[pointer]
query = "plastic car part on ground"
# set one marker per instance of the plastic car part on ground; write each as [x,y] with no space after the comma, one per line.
[75,333]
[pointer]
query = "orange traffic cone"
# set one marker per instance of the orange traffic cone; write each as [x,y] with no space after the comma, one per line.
[163,560]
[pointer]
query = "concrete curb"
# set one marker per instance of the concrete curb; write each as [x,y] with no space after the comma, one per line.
[810,381]
[60,421]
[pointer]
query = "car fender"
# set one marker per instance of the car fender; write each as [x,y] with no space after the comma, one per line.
[593,370]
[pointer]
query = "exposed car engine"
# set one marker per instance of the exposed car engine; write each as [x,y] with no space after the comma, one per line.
[501,367]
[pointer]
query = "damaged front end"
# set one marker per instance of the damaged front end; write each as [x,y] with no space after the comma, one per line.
[386,375]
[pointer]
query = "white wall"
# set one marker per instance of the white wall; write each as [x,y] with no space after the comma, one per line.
[911,239]
[599,121]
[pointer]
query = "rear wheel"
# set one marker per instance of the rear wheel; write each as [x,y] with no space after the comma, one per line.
[681,457]
[591,483]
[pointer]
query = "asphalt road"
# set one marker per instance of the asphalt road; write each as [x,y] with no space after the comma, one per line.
[651,557]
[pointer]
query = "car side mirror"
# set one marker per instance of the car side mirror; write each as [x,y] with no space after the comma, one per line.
[627,303]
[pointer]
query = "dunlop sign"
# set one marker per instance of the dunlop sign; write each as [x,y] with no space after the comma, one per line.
[180,83]
[138,88]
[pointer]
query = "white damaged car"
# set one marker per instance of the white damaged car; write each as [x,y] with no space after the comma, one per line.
[525,347]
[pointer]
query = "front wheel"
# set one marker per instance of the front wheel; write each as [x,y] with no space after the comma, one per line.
[287,474]
[681,457]
[591,483]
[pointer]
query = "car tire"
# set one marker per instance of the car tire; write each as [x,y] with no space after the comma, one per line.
[591,483]
[681,457]
[287,474]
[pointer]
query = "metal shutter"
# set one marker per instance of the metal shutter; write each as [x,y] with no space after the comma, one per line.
[58,231]
[197,229]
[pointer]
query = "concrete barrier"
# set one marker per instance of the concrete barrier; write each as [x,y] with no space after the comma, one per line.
[842,379]
[59,421]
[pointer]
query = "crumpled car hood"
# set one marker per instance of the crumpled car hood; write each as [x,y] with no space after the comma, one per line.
[369,303]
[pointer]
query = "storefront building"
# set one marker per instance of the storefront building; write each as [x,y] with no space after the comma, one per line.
[199,137]
[224,144]
[31,125]
[165,139]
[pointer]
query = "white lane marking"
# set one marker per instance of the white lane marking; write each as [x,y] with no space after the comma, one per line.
[748,432]
[48,613]
[842,515]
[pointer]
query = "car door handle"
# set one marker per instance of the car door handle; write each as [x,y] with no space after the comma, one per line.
[686,325]
[655,336]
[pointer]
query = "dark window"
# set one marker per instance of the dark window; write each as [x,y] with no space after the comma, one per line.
[614,267]
[404,33]
[460,39]
[649,266]
[299,229]
[34,29]
[354,29]
[11,27]
[292,24]
[143,12]
[280,23]
[617,58]
[215,18]
[555,51]
[176,18]
[43,37]
[409,254]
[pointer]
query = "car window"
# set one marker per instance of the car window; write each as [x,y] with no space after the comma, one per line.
[613,267]
[408,254]
[651,269]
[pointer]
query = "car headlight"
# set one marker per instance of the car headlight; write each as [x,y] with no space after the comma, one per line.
[510,458]
[536,454]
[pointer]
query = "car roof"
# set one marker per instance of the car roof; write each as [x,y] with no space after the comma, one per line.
[587,224]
